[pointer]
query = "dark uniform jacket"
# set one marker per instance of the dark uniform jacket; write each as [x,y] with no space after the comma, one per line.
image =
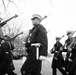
[73,46]
[57,54]
[5,57]
[38,35]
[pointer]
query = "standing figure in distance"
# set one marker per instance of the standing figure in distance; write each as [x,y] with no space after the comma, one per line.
[58,60]
[70,45]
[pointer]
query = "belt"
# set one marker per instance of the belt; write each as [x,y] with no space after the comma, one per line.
[6,52]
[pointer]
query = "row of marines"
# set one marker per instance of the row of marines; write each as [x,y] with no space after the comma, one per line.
[32,66]
[67,65]
[38,34]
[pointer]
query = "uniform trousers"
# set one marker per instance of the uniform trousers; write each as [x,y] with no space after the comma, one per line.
[72,70]
[59,67]
[31,66]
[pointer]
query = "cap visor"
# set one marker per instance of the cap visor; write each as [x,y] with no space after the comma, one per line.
[35,18]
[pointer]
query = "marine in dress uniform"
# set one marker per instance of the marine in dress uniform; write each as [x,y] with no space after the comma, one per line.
[71,53]
[6,65]
[58,60]
[32,66]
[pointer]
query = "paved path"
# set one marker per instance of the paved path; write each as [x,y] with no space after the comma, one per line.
[46,67]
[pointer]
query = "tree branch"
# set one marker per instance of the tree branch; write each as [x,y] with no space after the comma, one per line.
[13,3]
[51,2]
[4,4]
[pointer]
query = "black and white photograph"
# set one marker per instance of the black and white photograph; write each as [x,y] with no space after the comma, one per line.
[37,37]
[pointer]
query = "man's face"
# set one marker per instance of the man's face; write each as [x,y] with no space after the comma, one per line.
[57,40]
[70,35]
[6,38]
[35,21]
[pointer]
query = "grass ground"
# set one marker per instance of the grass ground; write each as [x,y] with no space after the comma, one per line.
[46,67]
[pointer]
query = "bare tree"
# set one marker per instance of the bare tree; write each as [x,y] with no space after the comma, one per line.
[7,5]
[4,4]
[9,1]
[12,29]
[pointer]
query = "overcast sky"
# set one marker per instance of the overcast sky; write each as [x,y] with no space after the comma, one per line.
[61,15]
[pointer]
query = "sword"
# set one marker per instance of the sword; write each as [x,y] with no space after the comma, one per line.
[37,45]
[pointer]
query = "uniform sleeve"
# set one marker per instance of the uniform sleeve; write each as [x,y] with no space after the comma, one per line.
[64,50]
[12,46]
[43,40]
[53,49]
[3,49]
[42,35]
[1,52]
